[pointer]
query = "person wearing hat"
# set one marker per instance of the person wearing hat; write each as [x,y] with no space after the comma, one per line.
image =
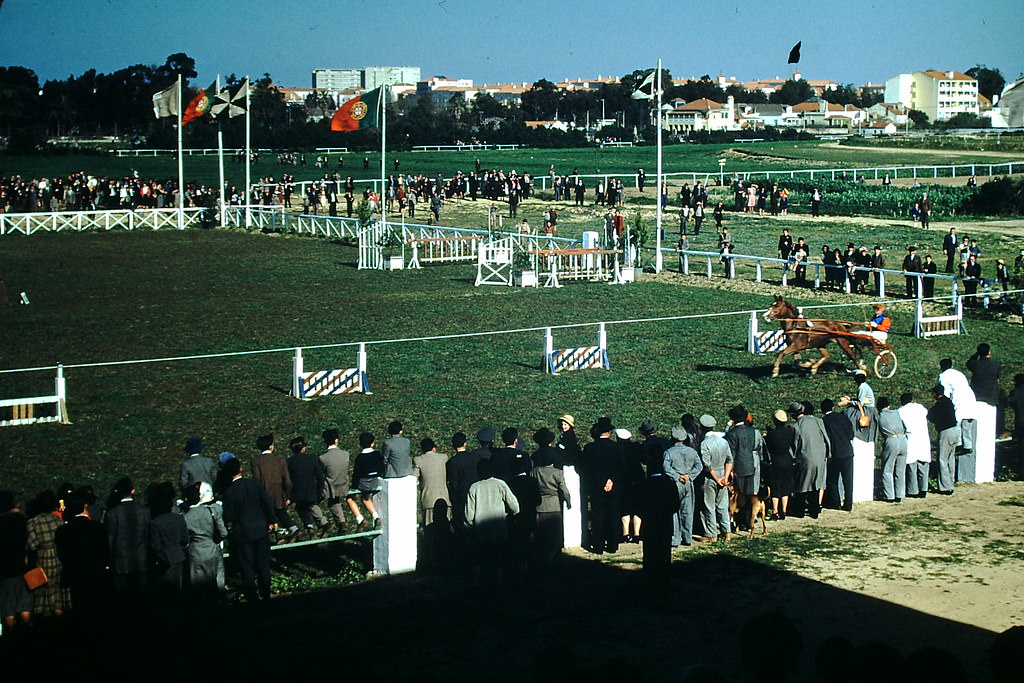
[778,445]
[746,445]
[682,465]
[877,264]
[911,267]
[602,464]
[660,509]
[949,248]
[568,443]
[878,326]
[929,267]
[717,460]
[971,279]
[196,468]
[811,449]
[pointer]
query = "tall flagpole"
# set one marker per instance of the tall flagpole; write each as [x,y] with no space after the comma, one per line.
[658,261]
[383,148]
[220,159]
[181,161]
[248,153]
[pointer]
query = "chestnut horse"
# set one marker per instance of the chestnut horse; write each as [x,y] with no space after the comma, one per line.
[803,334]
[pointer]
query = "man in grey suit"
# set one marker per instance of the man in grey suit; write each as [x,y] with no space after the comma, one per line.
[682,465]
[196,468]
[894,452]
[336,478]
[429,468]
[717,458]
[127,527]
[396,452]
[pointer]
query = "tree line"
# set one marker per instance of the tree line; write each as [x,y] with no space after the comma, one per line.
[119,104]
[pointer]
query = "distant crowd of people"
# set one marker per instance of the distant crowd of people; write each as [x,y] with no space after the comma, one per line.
[82,192]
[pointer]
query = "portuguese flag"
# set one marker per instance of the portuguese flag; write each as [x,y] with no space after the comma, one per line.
[199,105]
[359,112]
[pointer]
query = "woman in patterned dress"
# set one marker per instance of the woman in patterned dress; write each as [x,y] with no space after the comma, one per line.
[50,599]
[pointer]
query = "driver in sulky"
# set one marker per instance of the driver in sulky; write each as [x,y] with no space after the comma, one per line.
[878,326]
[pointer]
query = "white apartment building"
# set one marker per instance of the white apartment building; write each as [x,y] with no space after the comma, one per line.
[939,94]
[367,78]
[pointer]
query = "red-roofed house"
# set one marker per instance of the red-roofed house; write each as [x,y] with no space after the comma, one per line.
[702,114]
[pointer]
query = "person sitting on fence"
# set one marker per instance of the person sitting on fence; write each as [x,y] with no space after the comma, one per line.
[878,326]
[366,473]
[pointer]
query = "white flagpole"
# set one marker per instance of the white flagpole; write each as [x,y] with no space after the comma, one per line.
[658,261]
[220,159]
[181,162]
[383,148]
[248,153]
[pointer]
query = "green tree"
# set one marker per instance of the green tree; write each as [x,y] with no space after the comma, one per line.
[792,92]
[918,118]
[990,81]
[18,96]
[484,106]
[844,94]
[540,102]
[741,94]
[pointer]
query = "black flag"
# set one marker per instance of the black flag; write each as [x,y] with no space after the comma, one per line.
[794,54]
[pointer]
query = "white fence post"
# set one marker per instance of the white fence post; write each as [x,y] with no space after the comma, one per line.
[297,375]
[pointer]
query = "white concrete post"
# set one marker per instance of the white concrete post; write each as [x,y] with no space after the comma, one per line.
[394,551]
[297,374]
[549,348]
[881,284]
[985,444]
[863,471]
[757,264]
[572,519]
[61,391]
[361,368]
[752,332]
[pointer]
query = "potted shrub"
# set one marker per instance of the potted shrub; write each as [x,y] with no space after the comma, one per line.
[524,271]
[394,251]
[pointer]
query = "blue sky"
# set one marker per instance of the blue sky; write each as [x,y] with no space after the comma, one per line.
[854,41]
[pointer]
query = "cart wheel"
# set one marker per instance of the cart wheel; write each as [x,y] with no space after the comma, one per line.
[885,364]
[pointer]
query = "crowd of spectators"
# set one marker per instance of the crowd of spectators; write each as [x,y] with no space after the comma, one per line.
[498,503]
[82,192]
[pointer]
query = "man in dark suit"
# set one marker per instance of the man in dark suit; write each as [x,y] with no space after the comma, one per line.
[462,472]
[840,437]
[911,267]
[603,463]
[248,511]
[82,549]
[127,528]
[949,245]
[985,381]
[308,478]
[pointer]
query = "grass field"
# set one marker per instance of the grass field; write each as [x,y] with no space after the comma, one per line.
[677,158]
[120,296]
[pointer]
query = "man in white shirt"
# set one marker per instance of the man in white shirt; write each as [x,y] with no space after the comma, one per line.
[919,446]
[958,390]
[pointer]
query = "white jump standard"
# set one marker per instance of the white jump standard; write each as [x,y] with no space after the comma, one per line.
[309,385]
[579,358]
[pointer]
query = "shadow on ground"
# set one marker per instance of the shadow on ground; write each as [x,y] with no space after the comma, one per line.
[580,619]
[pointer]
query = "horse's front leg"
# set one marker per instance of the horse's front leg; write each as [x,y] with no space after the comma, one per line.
[818,363]
[778,359]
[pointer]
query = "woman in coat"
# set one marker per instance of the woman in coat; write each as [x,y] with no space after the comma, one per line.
[50,598]
[206,530]
[778,442]
[553,491]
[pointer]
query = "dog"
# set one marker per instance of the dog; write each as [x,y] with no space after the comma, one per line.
[740,501]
